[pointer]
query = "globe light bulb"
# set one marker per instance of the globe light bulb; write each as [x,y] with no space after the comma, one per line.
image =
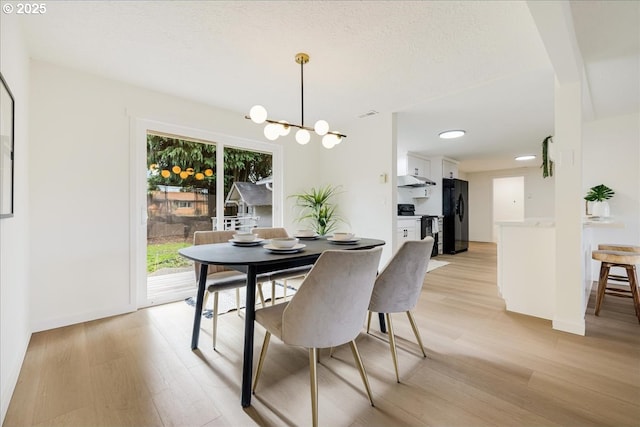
[258,114]
[284,128]
[272,131]
[303,136]
[321,127]
[328,141]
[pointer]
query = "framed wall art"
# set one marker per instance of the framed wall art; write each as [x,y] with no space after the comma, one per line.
[7,124]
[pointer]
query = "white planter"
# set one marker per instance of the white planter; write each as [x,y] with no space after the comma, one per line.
[600,209]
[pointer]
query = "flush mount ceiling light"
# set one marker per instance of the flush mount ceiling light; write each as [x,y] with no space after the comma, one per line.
[451,134]
[276,128]
[523,158]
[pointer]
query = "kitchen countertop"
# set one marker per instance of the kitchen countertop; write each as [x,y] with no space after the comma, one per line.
[601,223]
[529,222]
[550,222]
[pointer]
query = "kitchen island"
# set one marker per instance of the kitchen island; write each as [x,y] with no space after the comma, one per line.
[527,264]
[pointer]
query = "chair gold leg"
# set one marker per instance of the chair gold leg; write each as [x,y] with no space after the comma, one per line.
[263,353]
[368,321]
[392,345]
[416,332]
[313,374]
[363,374]
[284,289]
[215,319]
[331,352]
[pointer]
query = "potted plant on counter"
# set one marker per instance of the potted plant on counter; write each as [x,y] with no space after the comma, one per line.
[599,195]
[318,210]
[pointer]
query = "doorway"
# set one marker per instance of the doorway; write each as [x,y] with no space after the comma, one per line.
[508,201]
[183,182]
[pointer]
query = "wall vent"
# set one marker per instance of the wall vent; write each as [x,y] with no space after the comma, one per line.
[368,113]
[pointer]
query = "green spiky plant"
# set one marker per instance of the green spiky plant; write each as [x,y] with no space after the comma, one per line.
[599,193]
[318,210]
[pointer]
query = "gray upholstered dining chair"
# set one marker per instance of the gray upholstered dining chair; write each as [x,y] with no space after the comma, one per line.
[327,311]
[284,275]
[397,288]
[219,278]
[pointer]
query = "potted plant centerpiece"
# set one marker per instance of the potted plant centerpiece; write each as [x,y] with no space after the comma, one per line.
[599,195]
[318,210]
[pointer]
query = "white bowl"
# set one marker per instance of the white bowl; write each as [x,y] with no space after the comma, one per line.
[244,237]
[343,236]
[305,233]
[284,242]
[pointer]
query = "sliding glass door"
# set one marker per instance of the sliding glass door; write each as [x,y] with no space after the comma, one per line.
[192,184]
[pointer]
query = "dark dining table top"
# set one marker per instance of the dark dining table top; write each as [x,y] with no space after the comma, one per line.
[230,254]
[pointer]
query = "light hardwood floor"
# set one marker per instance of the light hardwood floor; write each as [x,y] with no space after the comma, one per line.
[487,367]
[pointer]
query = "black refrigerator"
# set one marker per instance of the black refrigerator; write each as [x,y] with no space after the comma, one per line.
[455,233]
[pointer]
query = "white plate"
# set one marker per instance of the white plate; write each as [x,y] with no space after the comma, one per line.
[291,250]
[343,241]
[314,237]
[241,243]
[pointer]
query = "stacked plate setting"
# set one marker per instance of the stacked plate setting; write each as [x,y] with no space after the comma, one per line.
[245,239]
[343,238]
[284,245]
[306,234]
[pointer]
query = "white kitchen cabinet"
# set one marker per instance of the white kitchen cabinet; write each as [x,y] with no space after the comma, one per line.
[412,165]
[449,169]
[408,229]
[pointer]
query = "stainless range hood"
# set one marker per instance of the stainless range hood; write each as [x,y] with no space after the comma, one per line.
[414,181]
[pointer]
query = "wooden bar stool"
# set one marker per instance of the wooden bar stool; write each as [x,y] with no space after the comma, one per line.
[623,256]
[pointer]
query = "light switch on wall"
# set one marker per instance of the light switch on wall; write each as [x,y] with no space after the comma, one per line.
[383,178]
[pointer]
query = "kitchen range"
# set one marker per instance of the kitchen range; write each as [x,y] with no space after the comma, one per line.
[430,225]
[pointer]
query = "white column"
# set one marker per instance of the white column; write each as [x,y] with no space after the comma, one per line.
[569,315]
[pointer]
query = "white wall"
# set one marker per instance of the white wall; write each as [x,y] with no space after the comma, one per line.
[611,153]
[15,304]
[538,202]
[356,164]
[611,156]
[80,203]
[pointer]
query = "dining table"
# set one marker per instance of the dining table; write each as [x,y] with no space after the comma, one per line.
[255,260]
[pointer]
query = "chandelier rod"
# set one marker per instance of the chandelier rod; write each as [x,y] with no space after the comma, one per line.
[301,60]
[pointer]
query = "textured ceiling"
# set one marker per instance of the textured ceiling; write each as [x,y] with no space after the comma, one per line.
[475,65]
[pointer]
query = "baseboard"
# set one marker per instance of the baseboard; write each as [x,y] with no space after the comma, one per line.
[570,326]
[46,324]
[12,379]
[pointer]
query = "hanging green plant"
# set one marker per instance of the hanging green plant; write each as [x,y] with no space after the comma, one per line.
[547,163]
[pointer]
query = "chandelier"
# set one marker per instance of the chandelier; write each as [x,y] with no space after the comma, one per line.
[277,128]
